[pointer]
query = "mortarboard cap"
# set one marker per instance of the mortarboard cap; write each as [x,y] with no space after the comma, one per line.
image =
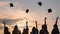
[27,10]
[11,5]
[39,3]
[49,10]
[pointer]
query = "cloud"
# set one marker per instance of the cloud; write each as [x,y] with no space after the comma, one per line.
[8,0]
[2,3]
[9,21]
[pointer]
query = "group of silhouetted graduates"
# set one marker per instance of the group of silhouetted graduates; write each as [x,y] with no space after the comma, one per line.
[15,31]
[35,30]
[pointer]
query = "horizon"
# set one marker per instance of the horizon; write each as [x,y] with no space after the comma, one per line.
[17,14]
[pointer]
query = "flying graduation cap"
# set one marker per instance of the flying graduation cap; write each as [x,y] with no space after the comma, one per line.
[27,10]
[40,3]
[49,10]
[11,5]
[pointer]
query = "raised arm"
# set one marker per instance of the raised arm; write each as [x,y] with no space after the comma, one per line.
[45,19]
[56,20]
[26,24]
[36,24]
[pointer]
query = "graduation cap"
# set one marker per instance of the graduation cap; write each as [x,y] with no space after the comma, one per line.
[11,5]
[49,10]
[39,3]
[27,10]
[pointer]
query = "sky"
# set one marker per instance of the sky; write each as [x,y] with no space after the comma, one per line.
[17,15]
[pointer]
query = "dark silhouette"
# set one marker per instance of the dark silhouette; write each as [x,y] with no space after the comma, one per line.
[55,29]
[35,30]
[26,31]
[40,3]
[36,24]
[49,10]
[16,31]
[11,5]
[44,28]
[27,10]
[6,31]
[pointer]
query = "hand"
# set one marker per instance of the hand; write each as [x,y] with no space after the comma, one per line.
[45,18]
[57,17]
[3,22]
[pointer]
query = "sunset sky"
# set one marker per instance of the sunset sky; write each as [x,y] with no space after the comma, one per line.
[17,15]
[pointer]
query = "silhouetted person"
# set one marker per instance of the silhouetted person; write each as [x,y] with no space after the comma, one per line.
[16,31]
[6,31]
[34,31]
[55,28]
[26,31]
[44,28]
